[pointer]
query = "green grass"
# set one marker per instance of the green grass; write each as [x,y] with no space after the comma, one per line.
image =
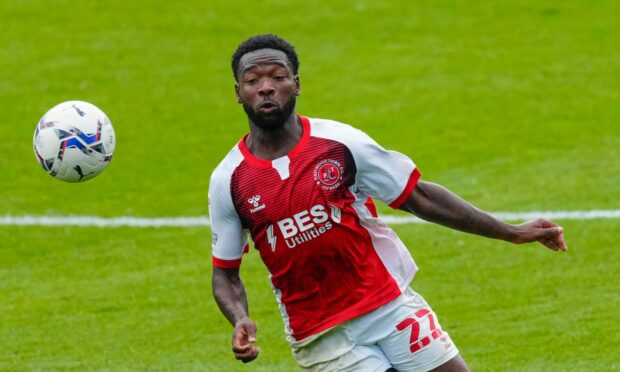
[126,299]
[514,105]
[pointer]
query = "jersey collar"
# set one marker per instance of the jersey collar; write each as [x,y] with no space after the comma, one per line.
[305,135]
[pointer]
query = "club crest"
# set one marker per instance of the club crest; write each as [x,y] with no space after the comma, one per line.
[328,174]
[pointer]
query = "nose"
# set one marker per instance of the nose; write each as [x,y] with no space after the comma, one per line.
[266,88]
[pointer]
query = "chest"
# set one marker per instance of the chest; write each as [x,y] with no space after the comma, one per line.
[300,188]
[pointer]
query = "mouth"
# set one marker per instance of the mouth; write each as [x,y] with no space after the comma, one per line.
[267,106]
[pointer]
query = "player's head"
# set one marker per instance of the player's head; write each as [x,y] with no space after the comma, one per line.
[267,83]
[265,41]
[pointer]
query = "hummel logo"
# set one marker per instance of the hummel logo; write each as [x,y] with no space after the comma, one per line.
[254,202]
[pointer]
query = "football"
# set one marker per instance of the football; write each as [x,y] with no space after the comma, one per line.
[74,141]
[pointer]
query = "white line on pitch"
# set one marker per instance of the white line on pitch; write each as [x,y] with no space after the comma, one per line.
[203,221]
[105,221]
[522,216]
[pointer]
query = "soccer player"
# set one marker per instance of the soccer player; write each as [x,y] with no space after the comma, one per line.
[304,190]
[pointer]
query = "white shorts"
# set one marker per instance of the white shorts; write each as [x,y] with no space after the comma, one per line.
[403,334]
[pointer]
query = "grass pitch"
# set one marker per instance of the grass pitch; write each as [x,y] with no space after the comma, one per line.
[513,106]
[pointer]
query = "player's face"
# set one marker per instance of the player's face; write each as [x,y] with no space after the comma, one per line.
[267,87]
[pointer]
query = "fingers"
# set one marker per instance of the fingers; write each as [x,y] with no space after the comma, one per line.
[548,233]
[550,244]
[561,241]
[241,347]
[250,329]
[244,338]
[553,238]
[241,343]
[544,223]
[245,332]
[249,355]
[245,352]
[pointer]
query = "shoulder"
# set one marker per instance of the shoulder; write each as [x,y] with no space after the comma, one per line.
[336,130]
[223,172]
[356,140]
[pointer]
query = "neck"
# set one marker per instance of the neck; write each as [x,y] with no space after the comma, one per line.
[270,144]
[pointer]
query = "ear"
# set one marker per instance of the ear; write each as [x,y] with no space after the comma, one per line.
[297,85]
[239,99]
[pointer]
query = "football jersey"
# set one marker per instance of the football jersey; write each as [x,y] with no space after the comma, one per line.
[312,218]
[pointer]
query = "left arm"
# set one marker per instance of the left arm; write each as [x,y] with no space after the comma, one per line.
[434,203]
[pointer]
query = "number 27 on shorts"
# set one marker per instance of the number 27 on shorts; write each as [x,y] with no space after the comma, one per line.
[417,343]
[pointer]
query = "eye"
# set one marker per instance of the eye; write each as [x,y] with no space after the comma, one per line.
[279,78]
[251,81]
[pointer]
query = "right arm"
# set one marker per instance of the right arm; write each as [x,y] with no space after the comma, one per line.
[229,293]
[228,243]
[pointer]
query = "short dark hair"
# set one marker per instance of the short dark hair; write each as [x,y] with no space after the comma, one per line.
[265,41]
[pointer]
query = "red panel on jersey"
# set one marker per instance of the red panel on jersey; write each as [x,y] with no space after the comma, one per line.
[370,204]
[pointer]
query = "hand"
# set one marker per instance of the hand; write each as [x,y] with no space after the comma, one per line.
[243,341]
[546,232]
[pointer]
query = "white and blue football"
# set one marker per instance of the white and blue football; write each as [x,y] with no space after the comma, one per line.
[74,141]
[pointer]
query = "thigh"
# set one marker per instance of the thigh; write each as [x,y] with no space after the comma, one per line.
[367,358]
[416,341]
[336,351]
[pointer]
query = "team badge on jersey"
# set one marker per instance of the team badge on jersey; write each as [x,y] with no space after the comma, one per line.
[328,174]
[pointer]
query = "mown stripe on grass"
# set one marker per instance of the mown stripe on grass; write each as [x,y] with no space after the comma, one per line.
[203,221]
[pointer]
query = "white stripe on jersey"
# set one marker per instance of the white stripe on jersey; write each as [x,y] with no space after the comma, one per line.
[221,204]
[388,246]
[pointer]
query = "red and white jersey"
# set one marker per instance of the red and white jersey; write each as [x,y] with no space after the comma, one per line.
[312,219]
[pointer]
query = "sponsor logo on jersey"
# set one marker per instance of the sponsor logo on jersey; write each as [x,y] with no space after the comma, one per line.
[271,238]
[254,201]
[304,226]
[328,174]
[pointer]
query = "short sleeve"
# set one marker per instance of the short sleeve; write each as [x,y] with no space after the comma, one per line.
[388,176]
[382,174]
[229,240]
